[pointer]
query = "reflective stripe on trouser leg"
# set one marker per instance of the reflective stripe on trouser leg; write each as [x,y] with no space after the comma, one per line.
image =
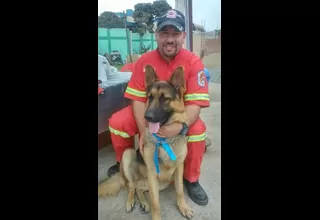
[120,142]
[192,164]
[122,128]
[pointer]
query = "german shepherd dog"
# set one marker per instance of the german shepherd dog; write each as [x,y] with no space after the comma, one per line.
[138,173]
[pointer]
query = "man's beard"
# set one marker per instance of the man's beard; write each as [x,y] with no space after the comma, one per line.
[171,53]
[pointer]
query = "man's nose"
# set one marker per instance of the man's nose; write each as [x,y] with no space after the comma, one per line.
[170,39]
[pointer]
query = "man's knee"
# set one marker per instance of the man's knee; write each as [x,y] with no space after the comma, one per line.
[123,123]
[116,120]
[197,131]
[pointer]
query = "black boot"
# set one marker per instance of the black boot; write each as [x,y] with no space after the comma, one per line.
[196,192]
[114,169]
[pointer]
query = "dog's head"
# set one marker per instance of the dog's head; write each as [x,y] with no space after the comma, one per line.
[165,98]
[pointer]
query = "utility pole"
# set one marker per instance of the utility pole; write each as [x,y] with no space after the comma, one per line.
[189,22]
[128,39]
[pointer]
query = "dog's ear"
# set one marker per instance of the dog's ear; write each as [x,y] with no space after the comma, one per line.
[151,75]
[178,81]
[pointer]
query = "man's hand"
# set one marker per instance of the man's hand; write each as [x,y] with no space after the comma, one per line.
[170,131]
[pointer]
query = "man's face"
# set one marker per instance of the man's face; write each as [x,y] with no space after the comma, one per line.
[170,41]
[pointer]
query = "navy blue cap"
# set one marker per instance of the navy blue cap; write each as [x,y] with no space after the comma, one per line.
[171,17]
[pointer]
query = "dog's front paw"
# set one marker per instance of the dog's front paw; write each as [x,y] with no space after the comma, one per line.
[186,211]
[130,205]
[144,207]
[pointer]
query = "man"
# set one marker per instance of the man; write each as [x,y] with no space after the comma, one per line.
[170,36]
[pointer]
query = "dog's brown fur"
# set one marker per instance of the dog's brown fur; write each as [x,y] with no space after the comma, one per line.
[140,178]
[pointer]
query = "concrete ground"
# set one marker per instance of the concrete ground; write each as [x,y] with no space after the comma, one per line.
[114,208]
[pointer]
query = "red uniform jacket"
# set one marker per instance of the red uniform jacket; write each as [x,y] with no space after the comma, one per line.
[196,83]
[129,67]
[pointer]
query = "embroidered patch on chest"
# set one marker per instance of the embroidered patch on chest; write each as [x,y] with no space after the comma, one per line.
[201,79]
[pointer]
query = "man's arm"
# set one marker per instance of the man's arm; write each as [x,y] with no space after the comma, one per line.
[138,112]
[136,92]
[197,93]
[193,112]
[196,96]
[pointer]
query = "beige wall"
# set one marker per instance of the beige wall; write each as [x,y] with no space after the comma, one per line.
[212,58]
[210,45]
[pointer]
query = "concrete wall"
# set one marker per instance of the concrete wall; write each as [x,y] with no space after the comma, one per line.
[210,45]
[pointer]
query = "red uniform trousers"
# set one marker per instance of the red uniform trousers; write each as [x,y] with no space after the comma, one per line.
[123,127]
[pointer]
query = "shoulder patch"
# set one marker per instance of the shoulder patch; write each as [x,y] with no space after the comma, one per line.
[201,78]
